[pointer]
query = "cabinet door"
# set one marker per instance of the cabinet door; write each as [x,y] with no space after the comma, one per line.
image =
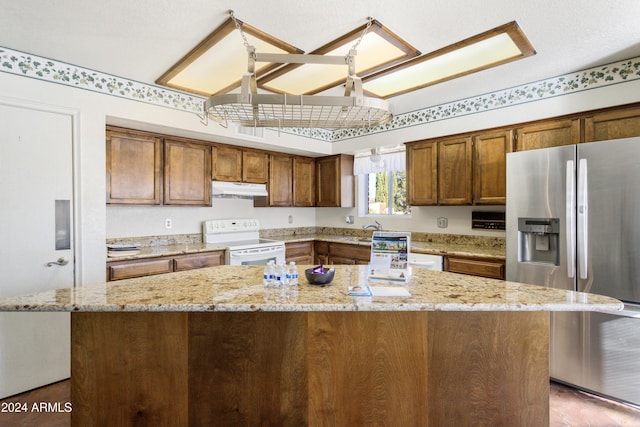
[490,167]
[299,252]
[255,166]
[548,134]
[199,260]
[134,168]
[454,171]
[422,173]
[280,180]
[483,267]
[304,181]
[187,173]
[344,253]
[612,125]
[320,252]
[226,164]
[334,181]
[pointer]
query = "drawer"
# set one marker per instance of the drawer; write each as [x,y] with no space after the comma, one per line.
[148,267]
[475,266]
[201,260]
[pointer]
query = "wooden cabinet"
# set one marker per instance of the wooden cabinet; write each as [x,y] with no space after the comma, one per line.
[134,168]
[199,260]
[334,181]
[280,180]
[615,124]
[304,181]
[137,268]
[187,173]
[239,165]
[320,252]
[340,253]
[226,164]
[422,173]
[127,269]
[255,166]
[551,133]
[490,167]
[299,252]
[454,171]
[483,267]
[344,253]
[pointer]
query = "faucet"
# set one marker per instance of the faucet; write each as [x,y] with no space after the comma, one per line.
[377,226]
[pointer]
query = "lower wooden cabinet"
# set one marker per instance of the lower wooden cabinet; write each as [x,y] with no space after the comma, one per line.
[299,252]
[201,260]
[127,269]
[341,253]
[484,267]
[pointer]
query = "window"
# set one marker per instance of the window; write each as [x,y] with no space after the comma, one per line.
[386,193]
[382,183]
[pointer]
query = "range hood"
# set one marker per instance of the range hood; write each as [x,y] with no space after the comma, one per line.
[237,189]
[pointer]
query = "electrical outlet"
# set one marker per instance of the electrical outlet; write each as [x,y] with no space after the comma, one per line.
[443,222]
[168,224]
[349,219]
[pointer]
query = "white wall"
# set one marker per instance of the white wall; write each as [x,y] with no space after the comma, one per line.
[96,222]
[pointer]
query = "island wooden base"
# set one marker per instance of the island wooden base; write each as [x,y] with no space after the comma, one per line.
[310,368]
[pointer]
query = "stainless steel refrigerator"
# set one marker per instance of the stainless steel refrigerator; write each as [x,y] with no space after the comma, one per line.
[573,222]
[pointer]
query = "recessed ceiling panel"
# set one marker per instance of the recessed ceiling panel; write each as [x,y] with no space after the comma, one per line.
[378,49]
[217,64]
[494,47]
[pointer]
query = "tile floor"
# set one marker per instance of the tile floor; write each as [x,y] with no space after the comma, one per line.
[568,407]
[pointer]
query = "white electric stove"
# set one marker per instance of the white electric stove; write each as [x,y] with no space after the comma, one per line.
[242,240]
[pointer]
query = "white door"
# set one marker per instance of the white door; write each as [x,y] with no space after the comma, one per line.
[36,227]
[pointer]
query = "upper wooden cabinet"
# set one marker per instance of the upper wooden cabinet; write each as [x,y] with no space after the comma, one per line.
[134,168]
[548,134]
[612,125]
[454,171]
[239,165]
[304,181]
[255,166]
[187,173]
[280,180]
[422,173]
[490,167]
[226,164]
[334,181]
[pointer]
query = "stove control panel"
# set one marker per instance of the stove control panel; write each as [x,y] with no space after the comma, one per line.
[214,226]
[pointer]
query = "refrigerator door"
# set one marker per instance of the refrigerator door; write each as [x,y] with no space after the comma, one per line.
[609,219]
[540,185]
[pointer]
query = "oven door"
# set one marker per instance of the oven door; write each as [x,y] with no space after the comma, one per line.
[256,256]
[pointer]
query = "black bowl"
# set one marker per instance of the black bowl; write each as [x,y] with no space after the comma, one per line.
[319,278]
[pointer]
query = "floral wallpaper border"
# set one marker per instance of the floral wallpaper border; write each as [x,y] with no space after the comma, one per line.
[41,68]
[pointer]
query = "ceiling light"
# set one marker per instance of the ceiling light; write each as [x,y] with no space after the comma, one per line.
[216,63]
[494,47]
[249,108]
[378,48]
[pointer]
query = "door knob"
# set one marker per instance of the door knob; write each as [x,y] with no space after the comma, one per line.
[61,261]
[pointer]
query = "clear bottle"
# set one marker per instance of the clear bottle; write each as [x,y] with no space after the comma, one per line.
[293,273]
[279,275]
[268,274]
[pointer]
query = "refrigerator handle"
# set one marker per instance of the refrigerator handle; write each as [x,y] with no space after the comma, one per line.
[571,219]
[583,219]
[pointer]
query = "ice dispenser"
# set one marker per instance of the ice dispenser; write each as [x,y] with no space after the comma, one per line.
[538,240]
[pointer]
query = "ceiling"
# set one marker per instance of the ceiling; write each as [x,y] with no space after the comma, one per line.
[141,39]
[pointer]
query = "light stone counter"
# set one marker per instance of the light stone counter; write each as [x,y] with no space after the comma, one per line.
[240,289]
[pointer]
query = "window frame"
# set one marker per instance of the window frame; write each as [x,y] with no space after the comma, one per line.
[363,199]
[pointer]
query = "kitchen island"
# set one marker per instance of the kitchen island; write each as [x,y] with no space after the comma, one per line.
[214,347]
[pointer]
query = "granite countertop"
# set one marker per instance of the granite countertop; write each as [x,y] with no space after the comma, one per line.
[239,288]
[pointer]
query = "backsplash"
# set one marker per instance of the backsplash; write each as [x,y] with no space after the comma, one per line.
[275,233]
